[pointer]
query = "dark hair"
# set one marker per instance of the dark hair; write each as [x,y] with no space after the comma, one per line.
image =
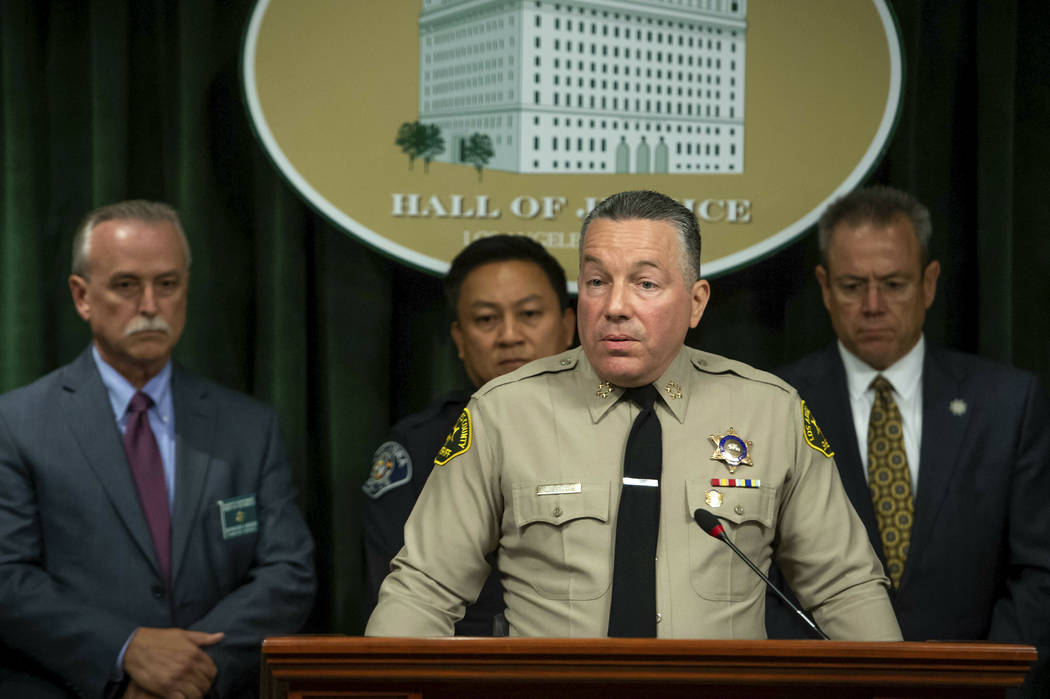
[503,248]
[653,206]
[879,205]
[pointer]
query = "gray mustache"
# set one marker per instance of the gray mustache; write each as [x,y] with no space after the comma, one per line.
[140,324]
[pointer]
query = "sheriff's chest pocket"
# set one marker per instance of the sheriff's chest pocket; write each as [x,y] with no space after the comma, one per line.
[716,572]
[564,538]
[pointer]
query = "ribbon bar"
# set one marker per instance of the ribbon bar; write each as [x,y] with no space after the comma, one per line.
[737,482]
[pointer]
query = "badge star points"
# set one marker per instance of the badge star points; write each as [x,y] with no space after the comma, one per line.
[731,449]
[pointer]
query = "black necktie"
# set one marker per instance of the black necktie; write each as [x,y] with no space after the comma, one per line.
[633,609]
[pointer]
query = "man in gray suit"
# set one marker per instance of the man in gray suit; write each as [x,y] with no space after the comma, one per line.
[149,536]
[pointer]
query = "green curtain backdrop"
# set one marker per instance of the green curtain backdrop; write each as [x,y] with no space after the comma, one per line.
[114,99]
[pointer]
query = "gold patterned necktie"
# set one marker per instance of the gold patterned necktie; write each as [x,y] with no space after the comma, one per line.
[889,479]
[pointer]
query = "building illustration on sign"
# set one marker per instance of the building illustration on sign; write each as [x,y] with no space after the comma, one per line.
[585,86]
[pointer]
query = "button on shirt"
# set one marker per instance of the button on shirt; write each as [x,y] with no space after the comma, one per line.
[551,435]
[906,378]
[161,415]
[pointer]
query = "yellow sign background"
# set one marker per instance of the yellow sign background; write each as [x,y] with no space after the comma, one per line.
[330,81]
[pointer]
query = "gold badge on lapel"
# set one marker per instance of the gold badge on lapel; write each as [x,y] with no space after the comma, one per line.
[731,449]
[604,389]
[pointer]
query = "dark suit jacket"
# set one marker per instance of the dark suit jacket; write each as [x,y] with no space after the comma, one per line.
[384,515]
[979,562]
[78,572]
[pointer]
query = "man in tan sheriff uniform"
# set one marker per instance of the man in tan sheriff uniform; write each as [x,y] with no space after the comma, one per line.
[534,469]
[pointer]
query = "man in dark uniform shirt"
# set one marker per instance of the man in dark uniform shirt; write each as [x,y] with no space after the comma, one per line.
[510,305]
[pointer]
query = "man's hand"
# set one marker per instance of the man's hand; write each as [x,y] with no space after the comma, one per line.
[170,662]
[134,691]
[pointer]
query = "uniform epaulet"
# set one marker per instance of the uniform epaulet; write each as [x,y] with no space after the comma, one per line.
[717,364]
[546,365]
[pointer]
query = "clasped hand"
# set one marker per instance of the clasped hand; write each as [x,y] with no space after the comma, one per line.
[169,663]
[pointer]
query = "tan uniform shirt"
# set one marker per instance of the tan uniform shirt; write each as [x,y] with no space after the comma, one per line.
[534,469]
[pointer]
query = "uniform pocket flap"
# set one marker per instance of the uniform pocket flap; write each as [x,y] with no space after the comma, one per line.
[557,503]
[733,504]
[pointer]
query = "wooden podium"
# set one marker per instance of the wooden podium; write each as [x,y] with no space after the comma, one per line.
[326,667]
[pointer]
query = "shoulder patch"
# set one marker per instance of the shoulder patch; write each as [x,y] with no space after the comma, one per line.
[391,467]
[458,440]
[814,437]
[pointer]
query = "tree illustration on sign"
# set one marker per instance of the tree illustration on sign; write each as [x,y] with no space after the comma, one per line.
[433,145]
[418,140]
[477,150]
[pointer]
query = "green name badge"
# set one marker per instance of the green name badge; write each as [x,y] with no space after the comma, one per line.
[238,516]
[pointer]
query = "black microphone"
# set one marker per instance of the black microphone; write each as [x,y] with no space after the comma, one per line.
[710,524]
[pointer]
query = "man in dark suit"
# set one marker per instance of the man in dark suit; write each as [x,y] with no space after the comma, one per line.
[964,532]
[149,536]
[509,305]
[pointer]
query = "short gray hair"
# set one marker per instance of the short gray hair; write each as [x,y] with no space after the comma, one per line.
[131,210]
[879,205]
[653,206]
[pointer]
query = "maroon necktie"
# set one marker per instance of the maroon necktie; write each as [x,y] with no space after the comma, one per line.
[148,472]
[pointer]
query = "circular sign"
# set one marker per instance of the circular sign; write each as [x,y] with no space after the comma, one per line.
[419,126]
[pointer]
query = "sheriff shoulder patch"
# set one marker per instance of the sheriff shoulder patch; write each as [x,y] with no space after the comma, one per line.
[458,440]
[391,467]
[814,437]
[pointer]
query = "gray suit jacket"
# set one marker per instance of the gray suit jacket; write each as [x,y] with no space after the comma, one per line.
[78,572]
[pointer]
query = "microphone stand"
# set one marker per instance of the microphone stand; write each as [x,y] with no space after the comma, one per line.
[712,526]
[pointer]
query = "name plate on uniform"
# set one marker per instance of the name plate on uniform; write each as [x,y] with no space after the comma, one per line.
[559,488]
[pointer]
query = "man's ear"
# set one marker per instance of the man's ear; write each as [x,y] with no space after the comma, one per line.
[825,289]
[701,294]
[78,288]
[929,282]
[457,337]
